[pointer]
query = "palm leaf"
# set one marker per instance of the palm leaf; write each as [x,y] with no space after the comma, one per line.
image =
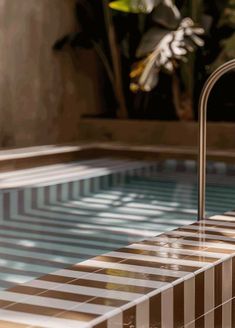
[168,49]
[135,6]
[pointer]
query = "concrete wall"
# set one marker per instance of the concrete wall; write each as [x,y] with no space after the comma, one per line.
[41,93]
[220,136]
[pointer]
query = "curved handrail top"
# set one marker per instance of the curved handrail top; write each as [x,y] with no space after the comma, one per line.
[203,102]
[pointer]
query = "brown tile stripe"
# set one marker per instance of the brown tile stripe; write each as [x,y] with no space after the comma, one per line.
[219,250]
[148,264]
[107,301]
[7,324]
[106,258]
[200,323]
[230,226]
[233,276]
[137,275]
[233,313]
[208,232]
[102,325]
[217,224]
[96,284]
[4,304]
[21,289]
[165,254]
[175,267]
[176,245]
[199,294]
[129,318]
[114,272]
[197,238]
[56,278]
[155,303]
[84,268]
[218,284]
[178,292]
[218,317]
[110,286]
[202,259]
[122,273]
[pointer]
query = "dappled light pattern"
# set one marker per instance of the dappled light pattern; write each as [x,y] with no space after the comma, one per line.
[49,234]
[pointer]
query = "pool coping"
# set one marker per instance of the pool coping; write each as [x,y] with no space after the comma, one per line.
[28,157]
[196,256]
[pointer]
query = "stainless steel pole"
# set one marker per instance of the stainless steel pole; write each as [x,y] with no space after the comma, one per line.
[230,65]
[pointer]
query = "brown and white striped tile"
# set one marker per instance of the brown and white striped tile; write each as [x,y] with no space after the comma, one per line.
[183,278]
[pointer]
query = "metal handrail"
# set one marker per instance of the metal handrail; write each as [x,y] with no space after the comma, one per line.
[230,65]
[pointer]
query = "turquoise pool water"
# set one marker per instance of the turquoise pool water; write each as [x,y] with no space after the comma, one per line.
[53,235]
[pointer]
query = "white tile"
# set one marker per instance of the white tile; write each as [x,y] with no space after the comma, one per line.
[142,315]
[227,280]
[125,280]
[167,308]
[116,321]
[227,315]
[164,260]
[209,320]
[35,320]
[136,268]
[175,250]
[96,292]
[209,296]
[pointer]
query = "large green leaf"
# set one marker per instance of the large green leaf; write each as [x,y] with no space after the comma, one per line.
[135,6]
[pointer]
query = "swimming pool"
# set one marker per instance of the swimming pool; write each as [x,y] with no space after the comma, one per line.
[50,224]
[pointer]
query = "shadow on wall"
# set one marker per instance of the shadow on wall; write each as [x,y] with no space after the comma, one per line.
[41,94]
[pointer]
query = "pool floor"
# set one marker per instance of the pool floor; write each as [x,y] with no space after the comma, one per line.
[56,235]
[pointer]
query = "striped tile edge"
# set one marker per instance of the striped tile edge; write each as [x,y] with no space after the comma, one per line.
[204,299]
[14,201]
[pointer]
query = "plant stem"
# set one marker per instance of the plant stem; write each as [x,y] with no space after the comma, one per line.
[116,60]
[105,62]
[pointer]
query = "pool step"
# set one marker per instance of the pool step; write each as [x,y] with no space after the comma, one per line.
[73,171]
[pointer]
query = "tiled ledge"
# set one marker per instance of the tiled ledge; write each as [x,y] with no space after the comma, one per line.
[183,278]
[23,158]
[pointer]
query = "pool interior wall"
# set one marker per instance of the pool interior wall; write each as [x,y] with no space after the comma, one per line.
[49,227]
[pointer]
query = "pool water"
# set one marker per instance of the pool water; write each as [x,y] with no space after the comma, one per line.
[56,234]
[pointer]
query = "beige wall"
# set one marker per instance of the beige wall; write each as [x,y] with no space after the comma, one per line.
[41,93]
